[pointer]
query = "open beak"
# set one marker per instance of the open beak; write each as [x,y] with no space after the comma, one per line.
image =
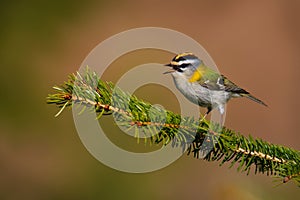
[170,70]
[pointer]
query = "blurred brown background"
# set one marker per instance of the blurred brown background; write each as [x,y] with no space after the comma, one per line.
[256,44]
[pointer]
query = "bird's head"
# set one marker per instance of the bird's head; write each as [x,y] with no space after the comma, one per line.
[185,63]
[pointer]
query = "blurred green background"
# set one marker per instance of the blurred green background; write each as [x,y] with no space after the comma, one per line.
[256,44]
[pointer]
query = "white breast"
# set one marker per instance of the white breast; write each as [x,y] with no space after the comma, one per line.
[198,94]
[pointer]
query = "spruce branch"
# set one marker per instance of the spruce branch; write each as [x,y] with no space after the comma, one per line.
[163,126]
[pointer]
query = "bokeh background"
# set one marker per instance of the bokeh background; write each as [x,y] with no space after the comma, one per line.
[256,44]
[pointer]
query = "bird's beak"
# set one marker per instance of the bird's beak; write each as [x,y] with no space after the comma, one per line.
[170,70]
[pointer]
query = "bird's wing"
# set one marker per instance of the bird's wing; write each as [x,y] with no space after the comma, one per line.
[212,80]
[231,87]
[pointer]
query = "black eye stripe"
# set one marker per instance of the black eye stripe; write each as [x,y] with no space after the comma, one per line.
[184,65]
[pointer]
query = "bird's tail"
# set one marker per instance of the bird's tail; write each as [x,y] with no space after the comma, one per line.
[249,96]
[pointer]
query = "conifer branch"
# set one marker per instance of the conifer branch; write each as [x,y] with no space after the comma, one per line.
[165,126]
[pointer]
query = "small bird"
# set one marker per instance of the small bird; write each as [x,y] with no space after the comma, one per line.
[202,85]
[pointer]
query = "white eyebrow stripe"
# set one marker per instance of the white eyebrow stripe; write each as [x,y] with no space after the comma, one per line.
[184,62]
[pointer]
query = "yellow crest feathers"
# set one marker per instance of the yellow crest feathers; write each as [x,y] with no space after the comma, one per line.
[183,54]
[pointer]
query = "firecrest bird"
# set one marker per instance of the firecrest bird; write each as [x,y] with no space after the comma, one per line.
[202,85]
